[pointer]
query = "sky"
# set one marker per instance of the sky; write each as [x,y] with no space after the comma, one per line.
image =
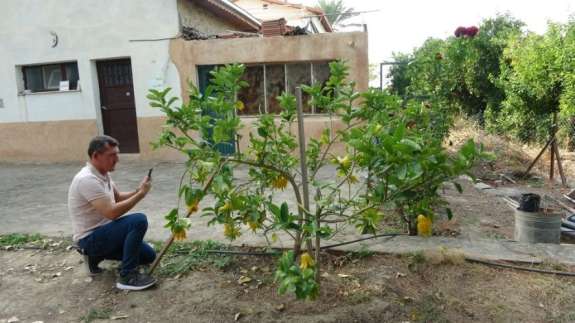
[401,25]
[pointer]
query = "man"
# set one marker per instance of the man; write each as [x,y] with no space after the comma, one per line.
[97,208]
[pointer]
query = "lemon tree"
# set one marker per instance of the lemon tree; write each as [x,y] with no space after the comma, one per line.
[376,136]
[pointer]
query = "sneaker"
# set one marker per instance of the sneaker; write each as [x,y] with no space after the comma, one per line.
[92,263]
[135,281]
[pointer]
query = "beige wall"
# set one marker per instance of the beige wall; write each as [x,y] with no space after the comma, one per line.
[58,141]
[351,47]
[192,15]
[46,141]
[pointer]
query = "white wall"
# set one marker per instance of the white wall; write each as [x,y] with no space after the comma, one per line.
[88,30]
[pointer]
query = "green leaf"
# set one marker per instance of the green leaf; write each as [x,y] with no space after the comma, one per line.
[458,187]
[449,213]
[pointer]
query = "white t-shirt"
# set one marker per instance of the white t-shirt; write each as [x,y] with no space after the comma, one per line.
[88,185]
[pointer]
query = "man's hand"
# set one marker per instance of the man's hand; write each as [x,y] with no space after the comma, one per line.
[145,185]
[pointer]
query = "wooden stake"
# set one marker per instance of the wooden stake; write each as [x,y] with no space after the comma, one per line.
[552,155]
[304,178]
[559,165]
[538,156]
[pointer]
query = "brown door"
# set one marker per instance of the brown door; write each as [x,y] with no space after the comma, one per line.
[118,106]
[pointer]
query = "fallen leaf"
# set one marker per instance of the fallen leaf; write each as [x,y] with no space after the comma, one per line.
[280,307]
[324,274]
[244,280]
[237,316]
[68,268]
[119,317]
[343,275]
[399,275]
[13,319]
[255,268]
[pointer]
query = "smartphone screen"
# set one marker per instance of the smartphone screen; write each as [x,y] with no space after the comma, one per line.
[150,173]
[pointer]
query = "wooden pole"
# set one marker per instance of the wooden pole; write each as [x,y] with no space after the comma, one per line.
[538,156]
[552,155]
[559,164]
[552,163]
[305,179]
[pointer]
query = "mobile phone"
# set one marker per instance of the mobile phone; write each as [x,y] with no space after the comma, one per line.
[150,173]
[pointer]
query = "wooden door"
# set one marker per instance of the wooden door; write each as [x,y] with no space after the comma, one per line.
[117,103]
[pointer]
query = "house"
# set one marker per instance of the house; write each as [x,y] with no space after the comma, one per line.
[310,18]
[72,70]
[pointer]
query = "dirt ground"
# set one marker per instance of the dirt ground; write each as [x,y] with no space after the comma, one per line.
[51,286]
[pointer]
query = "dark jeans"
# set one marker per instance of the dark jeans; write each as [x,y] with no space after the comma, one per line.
[121,239]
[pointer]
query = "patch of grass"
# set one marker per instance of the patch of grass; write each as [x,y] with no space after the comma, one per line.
[183,257]
[96,314]
[550,264]
[429,309]
[416,261]
[362,253]
[18,239]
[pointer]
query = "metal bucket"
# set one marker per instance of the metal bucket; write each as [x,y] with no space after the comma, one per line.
[537,227]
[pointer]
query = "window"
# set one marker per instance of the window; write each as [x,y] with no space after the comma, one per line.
[43,78]
[268,81]
[275,86]
[297,75]
[253,96]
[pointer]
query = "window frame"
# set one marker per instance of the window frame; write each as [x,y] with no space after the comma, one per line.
[264,65]
[44,89]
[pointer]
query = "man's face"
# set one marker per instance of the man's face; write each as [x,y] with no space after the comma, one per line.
[106,160]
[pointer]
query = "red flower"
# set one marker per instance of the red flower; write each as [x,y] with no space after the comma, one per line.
[460,31]
[466,32]
[471,31]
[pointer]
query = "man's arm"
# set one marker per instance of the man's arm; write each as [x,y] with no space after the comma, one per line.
[113,210]
[122,196]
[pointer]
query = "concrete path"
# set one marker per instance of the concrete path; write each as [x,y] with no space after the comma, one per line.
[33,200]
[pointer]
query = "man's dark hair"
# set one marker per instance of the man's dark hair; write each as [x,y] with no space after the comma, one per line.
[100,143]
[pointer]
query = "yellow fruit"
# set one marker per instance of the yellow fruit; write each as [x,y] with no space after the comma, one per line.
[253,225]
[180,234]
[240,105]
[305,261]
[226,207]
[423,226]
[193,207]
[230,231]
[344,161]
[280,182]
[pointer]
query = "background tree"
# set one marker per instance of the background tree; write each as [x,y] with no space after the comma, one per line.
[335,11]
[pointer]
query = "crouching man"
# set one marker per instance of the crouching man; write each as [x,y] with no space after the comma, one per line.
[97,208]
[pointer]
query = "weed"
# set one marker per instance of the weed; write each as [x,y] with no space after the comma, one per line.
[18,239]
[183,257]
[96,314]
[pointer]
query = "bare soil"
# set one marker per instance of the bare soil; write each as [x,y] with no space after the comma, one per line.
[51,286]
